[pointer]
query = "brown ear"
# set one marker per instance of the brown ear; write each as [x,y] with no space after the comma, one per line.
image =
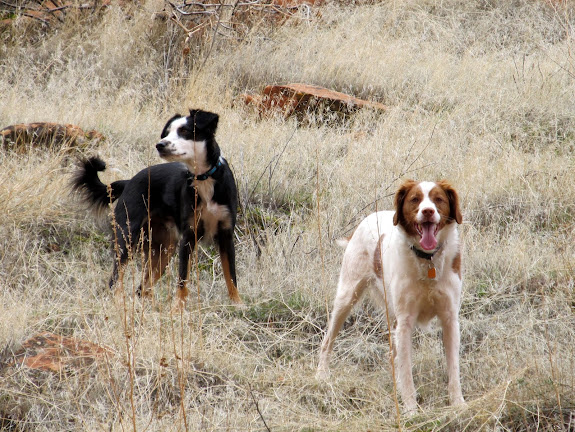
[454,211]
[400,198]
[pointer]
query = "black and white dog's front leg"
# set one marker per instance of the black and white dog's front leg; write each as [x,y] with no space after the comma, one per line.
[228,258]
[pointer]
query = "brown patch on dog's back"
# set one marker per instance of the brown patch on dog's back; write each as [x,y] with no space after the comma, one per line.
[456,264]
[377,266]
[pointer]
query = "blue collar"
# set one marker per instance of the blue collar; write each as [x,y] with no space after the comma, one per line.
[208,173]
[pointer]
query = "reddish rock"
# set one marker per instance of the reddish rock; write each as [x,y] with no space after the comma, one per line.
[21,137]
[49,11]
[51,352]
[302,98]
[55,8]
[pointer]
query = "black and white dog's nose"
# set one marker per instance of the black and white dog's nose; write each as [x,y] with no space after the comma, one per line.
[161,146]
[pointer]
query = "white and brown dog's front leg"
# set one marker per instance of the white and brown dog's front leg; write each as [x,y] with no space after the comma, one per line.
[451,343]
[403,362]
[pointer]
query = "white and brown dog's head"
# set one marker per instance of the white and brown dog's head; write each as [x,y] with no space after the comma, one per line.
[191,140]
[424,209]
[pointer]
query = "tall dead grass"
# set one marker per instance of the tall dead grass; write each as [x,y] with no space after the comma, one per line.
[479,93]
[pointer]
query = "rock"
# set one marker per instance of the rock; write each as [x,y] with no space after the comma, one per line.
[304,98]
[48,12]
[51,352]
[53,136]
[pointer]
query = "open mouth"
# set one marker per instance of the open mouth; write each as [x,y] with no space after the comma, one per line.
[428,232]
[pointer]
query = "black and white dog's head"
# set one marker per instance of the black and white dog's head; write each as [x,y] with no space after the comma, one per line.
[191,140]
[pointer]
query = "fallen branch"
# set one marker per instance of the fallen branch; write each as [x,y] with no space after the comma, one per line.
[239,17]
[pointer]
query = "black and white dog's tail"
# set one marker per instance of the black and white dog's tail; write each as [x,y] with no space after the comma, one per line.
[86,181]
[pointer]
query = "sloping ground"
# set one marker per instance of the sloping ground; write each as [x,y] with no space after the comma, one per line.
[476,92]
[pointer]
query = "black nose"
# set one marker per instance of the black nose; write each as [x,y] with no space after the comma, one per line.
[160,146]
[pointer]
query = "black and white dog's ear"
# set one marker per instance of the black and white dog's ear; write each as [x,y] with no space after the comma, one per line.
[167,126]
[204,120]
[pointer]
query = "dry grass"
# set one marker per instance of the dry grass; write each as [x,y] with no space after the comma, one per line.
[480,93]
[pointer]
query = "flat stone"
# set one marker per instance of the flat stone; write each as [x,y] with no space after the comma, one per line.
[303,98]
[54,136]
[54,353]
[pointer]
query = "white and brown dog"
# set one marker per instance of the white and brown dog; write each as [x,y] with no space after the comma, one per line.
[411,260]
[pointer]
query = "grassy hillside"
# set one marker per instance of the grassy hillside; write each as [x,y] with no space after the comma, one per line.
[480,93]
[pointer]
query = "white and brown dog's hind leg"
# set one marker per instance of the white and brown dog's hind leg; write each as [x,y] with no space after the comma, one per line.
[354,278]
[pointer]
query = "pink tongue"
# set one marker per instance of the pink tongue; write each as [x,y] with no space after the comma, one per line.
[428,240]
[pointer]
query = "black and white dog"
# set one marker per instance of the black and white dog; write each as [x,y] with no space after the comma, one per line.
[191,198]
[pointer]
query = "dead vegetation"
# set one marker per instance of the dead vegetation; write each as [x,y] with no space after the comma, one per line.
[476,92]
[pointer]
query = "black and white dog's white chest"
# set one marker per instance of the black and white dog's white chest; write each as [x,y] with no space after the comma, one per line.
[207,213]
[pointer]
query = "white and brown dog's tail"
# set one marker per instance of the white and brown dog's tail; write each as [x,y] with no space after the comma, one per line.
[344,241]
